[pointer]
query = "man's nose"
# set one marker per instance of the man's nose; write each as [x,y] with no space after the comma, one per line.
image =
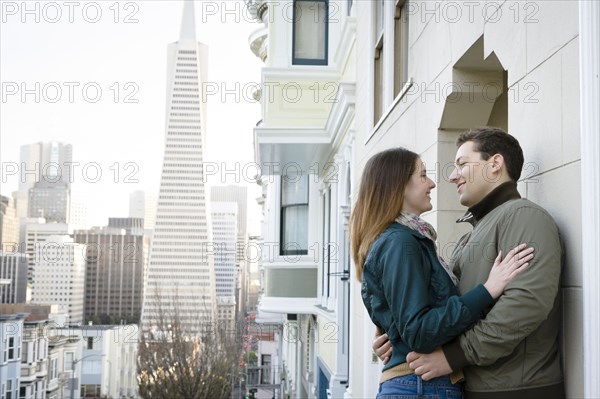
[454,175]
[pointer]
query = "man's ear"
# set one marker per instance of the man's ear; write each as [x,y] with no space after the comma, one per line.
[497,161]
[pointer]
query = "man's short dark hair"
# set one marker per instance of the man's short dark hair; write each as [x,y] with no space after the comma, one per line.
[493,140]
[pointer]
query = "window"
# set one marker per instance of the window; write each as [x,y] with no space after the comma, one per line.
[326,254]
[378,85]
[400,46]
[90,391]
[294,215]
[53,369]
[68,361]
[9,388]
[90,343]
[34,346]
[266,369]
[390,70]
[310,32]
[11,348]
[42,350]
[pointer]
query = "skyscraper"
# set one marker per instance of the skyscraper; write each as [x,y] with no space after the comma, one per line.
[45,181]
[143,205]
[51,201]
[13,277]
[37,234]
[181,269]
[239,195]
[115,261]
[60,275]
[50,161]
[9,226]
[224,222]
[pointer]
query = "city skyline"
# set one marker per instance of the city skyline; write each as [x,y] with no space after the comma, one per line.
[122,139]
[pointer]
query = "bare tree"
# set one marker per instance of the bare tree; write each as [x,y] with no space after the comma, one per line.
[174,362]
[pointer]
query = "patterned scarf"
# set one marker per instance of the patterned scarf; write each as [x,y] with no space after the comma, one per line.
[416,223]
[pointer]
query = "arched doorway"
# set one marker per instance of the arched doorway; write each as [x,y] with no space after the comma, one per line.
[477,96]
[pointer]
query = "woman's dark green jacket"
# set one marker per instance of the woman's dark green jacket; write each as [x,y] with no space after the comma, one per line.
[409,295]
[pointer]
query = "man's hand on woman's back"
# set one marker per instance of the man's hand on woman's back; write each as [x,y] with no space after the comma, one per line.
[382,346]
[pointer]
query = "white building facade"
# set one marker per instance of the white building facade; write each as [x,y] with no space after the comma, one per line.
[38,370]
[143,205]
[239,195]
[11,337]
[423,73]
[304,141]
[224,223]
[35,236]
[429,72]
[59,276]
[105,360]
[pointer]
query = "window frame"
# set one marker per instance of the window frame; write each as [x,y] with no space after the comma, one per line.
[53,369]
[379,62]
[401,45]
[8,392]
[282,243]
[68,363]
[311,61]
[11,348]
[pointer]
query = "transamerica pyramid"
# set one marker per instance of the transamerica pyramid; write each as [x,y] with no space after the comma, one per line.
[180,282]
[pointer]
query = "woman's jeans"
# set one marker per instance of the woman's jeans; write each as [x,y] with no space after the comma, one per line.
[412,386]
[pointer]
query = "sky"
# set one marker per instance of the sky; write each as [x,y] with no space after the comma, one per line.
[93,74]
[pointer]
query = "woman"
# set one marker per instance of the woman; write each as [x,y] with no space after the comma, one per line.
[408,290]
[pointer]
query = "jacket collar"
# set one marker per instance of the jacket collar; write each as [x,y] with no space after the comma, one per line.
[498,196]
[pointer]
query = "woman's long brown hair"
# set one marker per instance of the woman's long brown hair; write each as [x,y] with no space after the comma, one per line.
[380,199]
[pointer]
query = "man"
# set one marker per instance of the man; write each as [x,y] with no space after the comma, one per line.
[513,352]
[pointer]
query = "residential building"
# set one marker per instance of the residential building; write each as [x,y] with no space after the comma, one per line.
[426,76]
[38,375]
[11,337]
[63,350]
[105,362]
[304,145]
[38,371]
[422,74]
